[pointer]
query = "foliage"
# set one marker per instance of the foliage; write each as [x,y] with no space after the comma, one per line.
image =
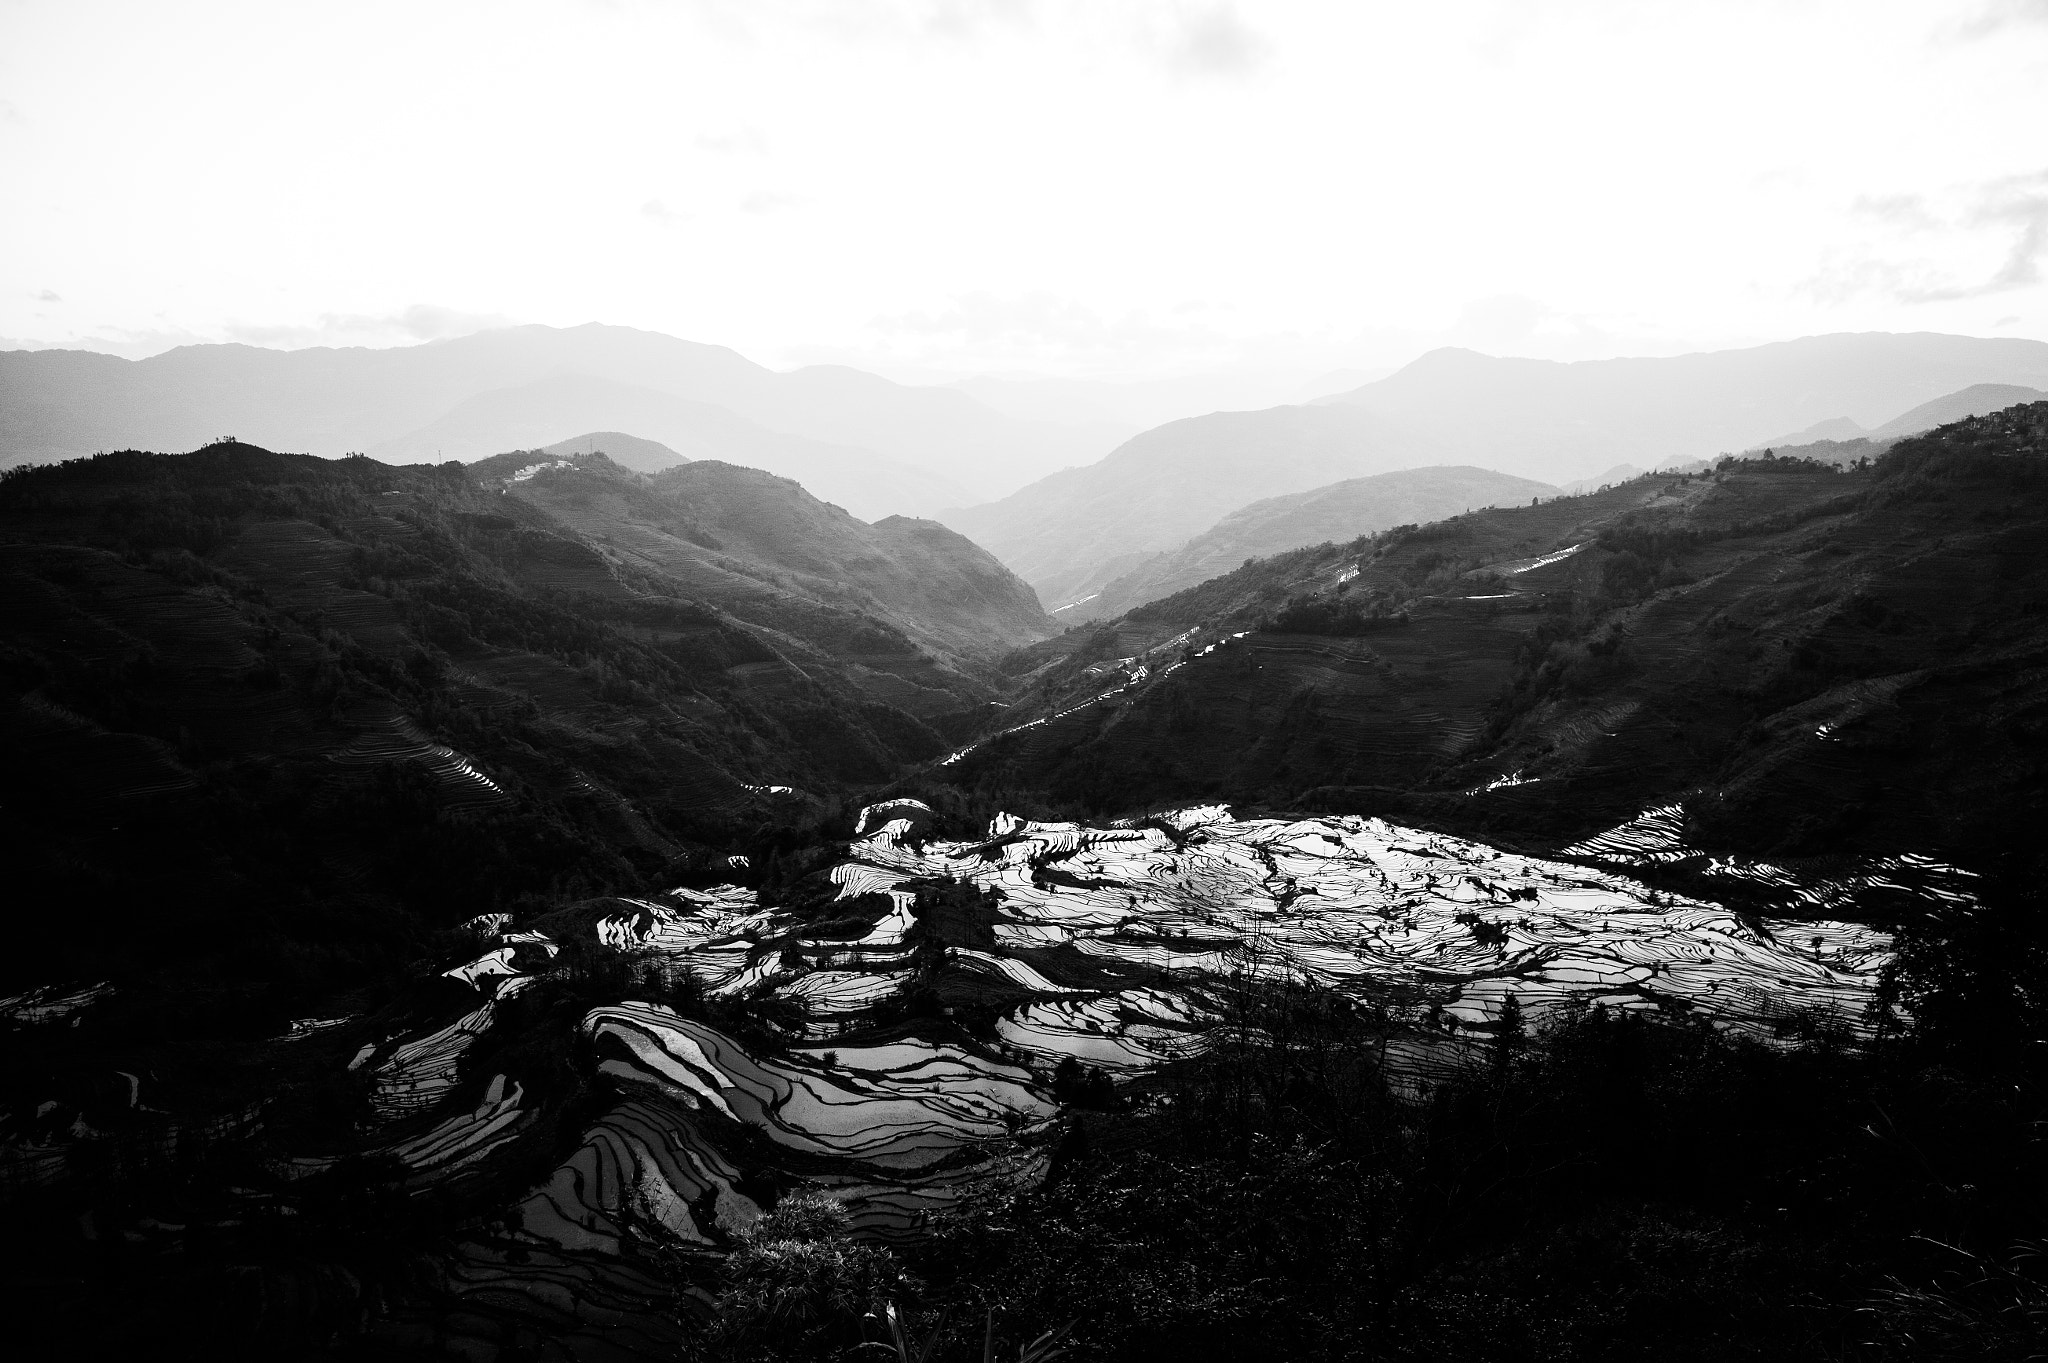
[1986,1307]
[1333,614]
[1607,1187]
[798,1285]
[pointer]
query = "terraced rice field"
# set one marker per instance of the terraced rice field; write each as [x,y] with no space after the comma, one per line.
[1121,947]
[1116,946]
[398,739]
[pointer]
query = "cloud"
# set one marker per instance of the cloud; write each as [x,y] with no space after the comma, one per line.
[662,213]
[963,20]
[48,296]
[427,322]
[1040,328]
[769,201]
[1996,16]
[1031,319]
[909,21]
[2015,206]
[131,344]
[420,322]
[747,140]
[1213,42]
[1899,210]
[2018,204]
[1835,284]
[1500,322]
[1514,324]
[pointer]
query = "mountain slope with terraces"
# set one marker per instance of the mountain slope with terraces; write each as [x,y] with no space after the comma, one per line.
[555,1138]
[1807,657]
[238,679]
[1339,512]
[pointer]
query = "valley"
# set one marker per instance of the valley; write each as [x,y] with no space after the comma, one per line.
[945,680]
[520,889]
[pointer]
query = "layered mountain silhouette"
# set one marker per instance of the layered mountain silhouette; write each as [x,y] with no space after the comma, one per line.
[1558,421]
[1976,400]
[867,484]
[1073,532]
[60,404]
[1338,512]
[1120,410]
[1156,490]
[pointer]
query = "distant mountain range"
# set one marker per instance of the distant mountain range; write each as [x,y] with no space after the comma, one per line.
[1119,410]
[877,447]
[1557,421]
[1158,489]
[867,484]
[1976,400]
[1337,512]
[1071,533]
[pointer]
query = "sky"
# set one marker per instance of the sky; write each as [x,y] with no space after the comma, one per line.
[1098,189]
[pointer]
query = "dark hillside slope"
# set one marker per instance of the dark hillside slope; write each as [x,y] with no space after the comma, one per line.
[759,545]
[1157,489]
[1809,659]
[1341,511]
[270,719]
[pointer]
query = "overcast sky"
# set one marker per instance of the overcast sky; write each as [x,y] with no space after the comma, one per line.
[1090,189]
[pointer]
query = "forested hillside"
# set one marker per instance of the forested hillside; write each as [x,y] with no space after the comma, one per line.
[396,697]
[1807,656]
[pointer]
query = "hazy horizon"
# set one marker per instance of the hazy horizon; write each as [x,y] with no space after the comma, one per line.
[936,190]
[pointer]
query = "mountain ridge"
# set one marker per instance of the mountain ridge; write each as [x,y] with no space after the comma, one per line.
[1551,419]
[1553,667]
[1158,488]
[56,404]
[1334,512]
[1547,420]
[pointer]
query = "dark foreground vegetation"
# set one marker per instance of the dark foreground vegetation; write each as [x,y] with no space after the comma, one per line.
[1608,1187]
[1603,1186]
